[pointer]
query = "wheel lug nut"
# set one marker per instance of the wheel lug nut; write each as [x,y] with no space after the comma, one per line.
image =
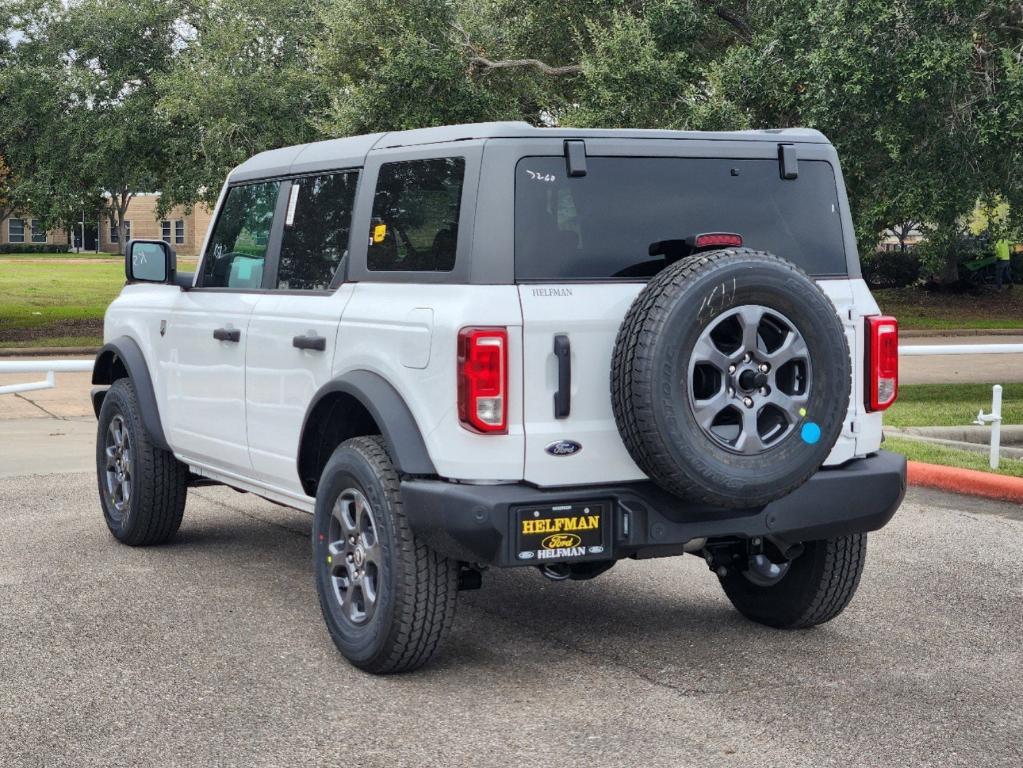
[747,357]
[349,557]
[731,392]
[764,367]
[748,402]
[763,390]
[731,369]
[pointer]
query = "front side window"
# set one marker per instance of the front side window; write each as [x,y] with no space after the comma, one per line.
[316,229]
[237,249]
[38,232]
[415,215]
[15,230]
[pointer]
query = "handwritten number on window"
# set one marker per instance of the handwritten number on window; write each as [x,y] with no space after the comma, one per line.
[539,176]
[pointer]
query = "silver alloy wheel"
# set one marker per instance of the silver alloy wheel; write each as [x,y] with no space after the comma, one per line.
[355,558]
[749,379]
[763,572]
[117,448]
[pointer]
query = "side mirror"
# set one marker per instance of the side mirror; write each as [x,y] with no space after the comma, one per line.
[150,261]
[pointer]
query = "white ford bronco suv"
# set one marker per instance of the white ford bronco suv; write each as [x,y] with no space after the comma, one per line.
[497,345]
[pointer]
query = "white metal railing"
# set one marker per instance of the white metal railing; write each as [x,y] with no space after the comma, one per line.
[52,367]
[922,350]
[49,367]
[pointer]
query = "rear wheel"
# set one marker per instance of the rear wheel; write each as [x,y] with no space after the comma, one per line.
[388,600]
[810,590]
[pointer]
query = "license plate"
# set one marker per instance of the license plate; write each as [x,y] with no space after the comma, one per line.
[562,532]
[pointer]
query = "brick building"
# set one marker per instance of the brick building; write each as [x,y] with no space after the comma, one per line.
[185,231]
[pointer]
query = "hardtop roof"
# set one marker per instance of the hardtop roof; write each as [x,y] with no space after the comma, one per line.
[352,151]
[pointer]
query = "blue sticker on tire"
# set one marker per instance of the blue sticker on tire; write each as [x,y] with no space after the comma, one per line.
[810,432]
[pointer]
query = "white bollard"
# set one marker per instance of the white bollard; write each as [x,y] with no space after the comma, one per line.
[996,424]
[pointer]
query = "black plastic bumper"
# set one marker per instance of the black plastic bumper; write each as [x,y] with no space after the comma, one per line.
[474,523]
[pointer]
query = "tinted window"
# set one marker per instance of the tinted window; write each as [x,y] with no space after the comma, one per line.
[602,224]
[316,229]
[415,215]
[237,247]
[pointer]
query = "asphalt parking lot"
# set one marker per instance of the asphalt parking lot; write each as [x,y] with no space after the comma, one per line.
[210,651]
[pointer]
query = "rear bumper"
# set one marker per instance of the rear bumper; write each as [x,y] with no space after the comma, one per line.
[474,523]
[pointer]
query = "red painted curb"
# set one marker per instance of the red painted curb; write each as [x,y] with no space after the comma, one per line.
[967,481]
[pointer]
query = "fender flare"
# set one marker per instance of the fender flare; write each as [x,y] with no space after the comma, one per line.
[125,353]
[390,412]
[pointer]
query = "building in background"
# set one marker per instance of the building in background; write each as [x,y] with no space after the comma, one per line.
[185,231]
[23,229]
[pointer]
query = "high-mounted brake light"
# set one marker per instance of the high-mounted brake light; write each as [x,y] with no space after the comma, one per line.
[717,240]
[882,362]
[483,379]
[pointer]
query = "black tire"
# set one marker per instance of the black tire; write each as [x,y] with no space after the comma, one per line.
[415,588]
[151,511]
[817,586]
[650,392]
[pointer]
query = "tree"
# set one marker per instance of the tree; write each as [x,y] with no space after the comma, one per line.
[242,82]
[81,87]
[921,98]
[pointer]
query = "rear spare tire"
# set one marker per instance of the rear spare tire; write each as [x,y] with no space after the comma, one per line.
[731,378]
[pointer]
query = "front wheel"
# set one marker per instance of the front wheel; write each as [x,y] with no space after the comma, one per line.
[142,488]
[810,590]
[387,599]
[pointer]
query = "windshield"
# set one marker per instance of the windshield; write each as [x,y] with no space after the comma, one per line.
[602,225]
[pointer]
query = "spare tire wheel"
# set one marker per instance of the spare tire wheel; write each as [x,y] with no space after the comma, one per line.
[731,378]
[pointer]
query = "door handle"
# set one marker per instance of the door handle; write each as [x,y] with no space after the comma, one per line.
[227,334]
[316,343]
[563,397]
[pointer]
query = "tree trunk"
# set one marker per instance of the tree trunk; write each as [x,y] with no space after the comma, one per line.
[121,202]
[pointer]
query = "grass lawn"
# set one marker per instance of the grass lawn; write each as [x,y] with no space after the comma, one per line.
[57,304]
[951,405]
[915,450]
[47,256]
[932,310]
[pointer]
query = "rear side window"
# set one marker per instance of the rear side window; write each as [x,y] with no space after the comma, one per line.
[317,225]
[237,248]
[415,215]
[602,225]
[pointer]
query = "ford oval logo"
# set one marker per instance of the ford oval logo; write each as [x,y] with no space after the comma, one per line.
[563,448]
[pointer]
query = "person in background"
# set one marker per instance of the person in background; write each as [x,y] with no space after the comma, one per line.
[1003,264]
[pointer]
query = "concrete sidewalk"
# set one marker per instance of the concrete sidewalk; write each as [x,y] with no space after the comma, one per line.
[68,400]
[49,430]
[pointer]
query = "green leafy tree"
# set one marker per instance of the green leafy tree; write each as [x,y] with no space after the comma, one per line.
[242,82]
[921,98]
[81,89]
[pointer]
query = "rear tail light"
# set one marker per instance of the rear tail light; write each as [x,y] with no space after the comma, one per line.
[882,362]
[717,240]
[483,379]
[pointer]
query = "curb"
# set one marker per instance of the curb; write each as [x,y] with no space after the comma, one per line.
[49,351]
[969,482]
[1007,449]
[918,333]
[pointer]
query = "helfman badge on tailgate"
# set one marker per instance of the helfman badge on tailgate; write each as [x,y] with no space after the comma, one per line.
[563,448]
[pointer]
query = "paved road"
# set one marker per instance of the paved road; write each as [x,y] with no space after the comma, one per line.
[211,651]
